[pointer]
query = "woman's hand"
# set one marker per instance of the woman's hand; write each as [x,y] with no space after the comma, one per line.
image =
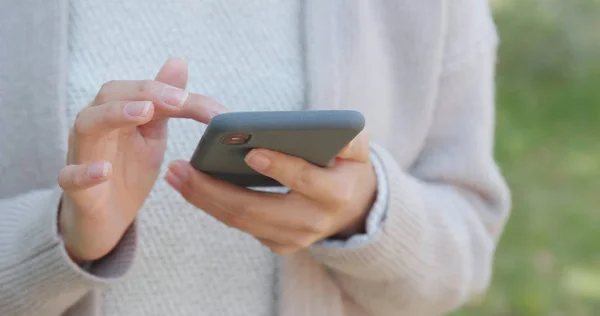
[116,148]
[322,202]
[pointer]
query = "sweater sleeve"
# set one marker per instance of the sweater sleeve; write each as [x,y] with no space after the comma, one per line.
[36,275]
[444,215]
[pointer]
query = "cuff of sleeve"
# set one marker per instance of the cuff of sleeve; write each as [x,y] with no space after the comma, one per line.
[376,214]
[53,267]
[385,255]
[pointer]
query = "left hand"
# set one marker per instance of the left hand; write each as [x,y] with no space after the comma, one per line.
[322,202]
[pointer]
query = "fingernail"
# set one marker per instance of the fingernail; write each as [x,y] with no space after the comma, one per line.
[179,171]
[174,97]
[138,108]
[257,161]
[98,170]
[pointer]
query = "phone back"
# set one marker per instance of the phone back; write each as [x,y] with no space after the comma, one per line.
[315,136]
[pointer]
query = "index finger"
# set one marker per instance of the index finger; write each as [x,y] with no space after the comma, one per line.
[169,101]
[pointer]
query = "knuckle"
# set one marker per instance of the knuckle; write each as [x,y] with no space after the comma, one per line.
[108,85]
[320,224]
[105,91]
[303,178]
[247,210]
[342,195]
[144,86]
[189,194]
[80,125]
[111,109]
[186,193]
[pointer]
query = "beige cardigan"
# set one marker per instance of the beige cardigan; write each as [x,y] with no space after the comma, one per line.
[420,71]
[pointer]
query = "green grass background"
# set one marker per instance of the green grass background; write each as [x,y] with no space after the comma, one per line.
[548,145]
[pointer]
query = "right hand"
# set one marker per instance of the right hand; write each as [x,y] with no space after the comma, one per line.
[116,148]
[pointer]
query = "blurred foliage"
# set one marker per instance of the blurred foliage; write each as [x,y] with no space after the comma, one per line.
[548,145]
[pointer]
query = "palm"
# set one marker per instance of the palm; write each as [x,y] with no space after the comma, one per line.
[93,220]
[136,162]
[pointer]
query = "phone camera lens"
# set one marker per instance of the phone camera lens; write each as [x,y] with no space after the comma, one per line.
[236,139]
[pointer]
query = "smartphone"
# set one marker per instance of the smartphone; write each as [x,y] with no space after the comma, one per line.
[316,136]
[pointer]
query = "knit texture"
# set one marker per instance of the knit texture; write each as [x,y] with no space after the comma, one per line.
[422,72]
[247,55]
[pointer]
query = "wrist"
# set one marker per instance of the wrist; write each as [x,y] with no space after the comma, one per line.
[72,256]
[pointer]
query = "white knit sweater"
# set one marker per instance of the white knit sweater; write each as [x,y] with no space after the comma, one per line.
[247,55]
[420,71]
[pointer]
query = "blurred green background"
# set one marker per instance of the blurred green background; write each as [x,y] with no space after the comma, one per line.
[548,145]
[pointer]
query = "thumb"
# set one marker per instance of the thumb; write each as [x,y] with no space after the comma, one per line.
[174,72]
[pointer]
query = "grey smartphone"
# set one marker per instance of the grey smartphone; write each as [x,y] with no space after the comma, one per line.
[315,136]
